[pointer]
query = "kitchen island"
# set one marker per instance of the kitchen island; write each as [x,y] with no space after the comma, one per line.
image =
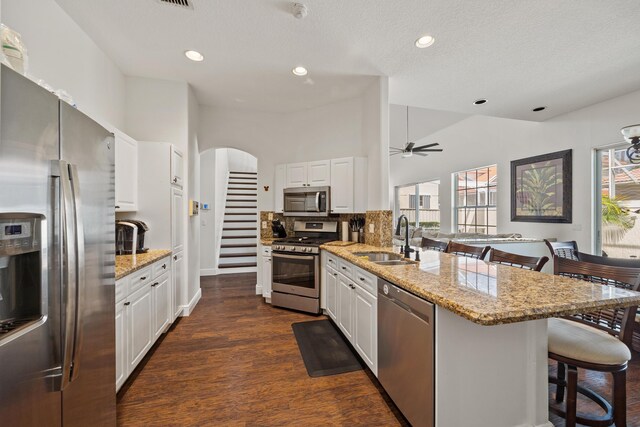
[490,331]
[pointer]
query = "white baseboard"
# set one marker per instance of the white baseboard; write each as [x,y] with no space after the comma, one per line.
[209,272]
[258,289]
[188,309]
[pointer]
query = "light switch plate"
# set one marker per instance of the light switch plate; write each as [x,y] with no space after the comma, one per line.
[270,216]
[372,228]
[264,224]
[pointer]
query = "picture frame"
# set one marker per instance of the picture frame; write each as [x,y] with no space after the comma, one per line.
[541,188]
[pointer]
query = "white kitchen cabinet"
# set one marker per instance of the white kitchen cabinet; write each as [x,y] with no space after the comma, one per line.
[121,343]
[266,272]
[162,316]
[365,335]
[178,284]
[278,187]
[319,173]
[177,167]
[296,175]
[177,220]
[331,292]
[126,173]
[345,306]
[139,326]
[349,185]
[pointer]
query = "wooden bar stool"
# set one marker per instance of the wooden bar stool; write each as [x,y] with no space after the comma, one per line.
[466,250]
[519,261]
[563,249]
[597,341]
[434,245]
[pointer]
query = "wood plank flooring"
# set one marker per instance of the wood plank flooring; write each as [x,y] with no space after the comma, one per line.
[235,362]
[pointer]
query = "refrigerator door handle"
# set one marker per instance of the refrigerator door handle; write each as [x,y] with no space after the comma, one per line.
[69,269]
[80,268]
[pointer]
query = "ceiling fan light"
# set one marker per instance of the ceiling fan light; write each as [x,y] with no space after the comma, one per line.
[630,132]
[407,154]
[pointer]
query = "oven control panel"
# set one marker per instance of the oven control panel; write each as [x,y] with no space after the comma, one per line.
[296,249]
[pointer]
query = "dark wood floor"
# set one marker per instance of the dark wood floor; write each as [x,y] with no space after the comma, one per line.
[235,361]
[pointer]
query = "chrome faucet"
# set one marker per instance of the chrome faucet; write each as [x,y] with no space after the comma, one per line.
[406,248]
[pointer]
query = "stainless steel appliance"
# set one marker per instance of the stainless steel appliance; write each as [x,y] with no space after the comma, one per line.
[296,266]
[57,261]
[129,236]
[307,201]
[406,354]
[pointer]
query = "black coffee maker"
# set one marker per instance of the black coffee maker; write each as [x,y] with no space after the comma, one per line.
[130,234]
[278,229]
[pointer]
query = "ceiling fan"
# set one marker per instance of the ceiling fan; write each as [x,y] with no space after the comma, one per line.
[410,149]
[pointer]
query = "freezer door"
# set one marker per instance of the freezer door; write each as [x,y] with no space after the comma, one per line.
[89,393]
[29,357]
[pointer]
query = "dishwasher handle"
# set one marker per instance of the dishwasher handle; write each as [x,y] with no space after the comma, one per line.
[417,306]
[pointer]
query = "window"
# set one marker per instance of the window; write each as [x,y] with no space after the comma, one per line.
[420,204]
[475,200]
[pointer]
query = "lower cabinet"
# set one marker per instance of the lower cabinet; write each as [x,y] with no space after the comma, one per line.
[141,315]
[366,327]
[345,305]
[331,292]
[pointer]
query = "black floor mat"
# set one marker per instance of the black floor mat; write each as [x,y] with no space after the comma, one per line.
[324,351]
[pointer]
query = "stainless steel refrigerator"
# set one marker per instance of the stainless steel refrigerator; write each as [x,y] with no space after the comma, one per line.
[57,261]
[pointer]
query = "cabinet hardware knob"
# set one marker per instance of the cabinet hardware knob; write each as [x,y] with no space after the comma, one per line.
[155,284]
[117,207]
[164,266]
[175,257]
[175,180]
[344,268]
[361,279]
[127,303]
[143,278]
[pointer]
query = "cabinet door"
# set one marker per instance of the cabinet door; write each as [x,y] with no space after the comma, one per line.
[332,292]
[139,325]
[296,175]
[366,327]
[126,163]
[279,184]
[342,190]
[178,211]
[266,276]
[178,272]
[177,167]
[161,305]
[319,173]
[121,344]
[345,314]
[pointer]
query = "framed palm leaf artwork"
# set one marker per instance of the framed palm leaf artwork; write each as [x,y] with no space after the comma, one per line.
[541,188]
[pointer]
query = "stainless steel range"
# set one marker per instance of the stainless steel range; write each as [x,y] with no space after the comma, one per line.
[296,265]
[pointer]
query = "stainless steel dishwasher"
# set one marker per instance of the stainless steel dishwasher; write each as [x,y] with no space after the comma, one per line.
[406,352]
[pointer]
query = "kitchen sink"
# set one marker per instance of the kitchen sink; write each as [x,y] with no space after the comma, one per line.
[379,256]
[394,262]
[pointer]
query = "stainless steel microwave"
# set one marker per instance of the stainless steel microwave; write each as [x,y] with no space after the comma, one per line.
[307,201]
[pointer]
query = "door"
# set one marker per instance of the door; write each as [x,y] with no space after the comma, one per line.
[121,343]
[366,327]
[345,306]
[281,176]
[126,162]
[28,144]
[178,212]
[161,305]
[139,325]
[266,276]
[319,173]
[342,190]
[178,283]
[177,167]
[296,175]
[617,207]
[332,292]
[89,149]
[296,274]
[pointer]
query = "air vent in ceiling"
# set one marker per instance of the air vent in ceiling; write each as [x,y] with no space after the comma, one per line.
[185,4]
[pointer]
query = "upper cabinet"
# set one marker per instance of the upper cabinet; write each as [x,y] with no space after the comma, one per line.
[126,159]
[308,174]
[349,185]
[177,167]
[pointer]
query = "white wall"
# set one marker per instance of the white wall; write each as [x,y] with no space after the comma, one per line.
[66,58]
[480,141]
[241,161]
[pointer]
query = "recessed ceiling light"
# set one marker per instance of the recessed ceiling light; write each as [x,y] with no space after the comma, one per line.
[480,101]
[194,55]
[538,109]
[425,41]
[299,71]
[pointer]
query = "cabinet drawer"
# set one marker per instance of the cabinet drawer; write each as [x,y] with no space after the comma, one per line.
[122,289]
[266,250]
[345,268]
[365,280]
[161,267]
[332,261]
[139,279]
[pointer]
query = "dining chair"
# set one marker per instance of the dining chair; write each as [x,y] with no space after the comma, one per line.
[461,249]
[597,341]
[563,249]
[434,245]
[515,260]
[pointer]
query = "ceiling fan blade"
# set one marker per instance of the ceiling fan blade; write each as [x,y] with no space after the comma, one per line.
[420,153]
[393,149]
[426,146]
[393,154]
[409,146]
[428,150]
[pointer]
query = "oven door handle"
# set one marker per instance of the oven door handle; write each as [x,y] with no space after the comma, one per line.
[299,257]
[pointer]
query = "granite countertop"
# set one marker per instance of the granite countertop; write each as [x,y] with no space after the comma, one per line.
[488,293]
[125,264]
[499,240]
[269,242]
[266,242]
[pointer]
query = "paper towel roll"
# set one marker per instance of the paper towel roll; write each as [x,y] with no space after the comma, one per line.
[345,231]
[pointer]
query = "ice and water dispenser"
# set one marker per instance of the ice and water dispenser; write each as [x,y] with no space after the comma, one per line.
[21,259]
